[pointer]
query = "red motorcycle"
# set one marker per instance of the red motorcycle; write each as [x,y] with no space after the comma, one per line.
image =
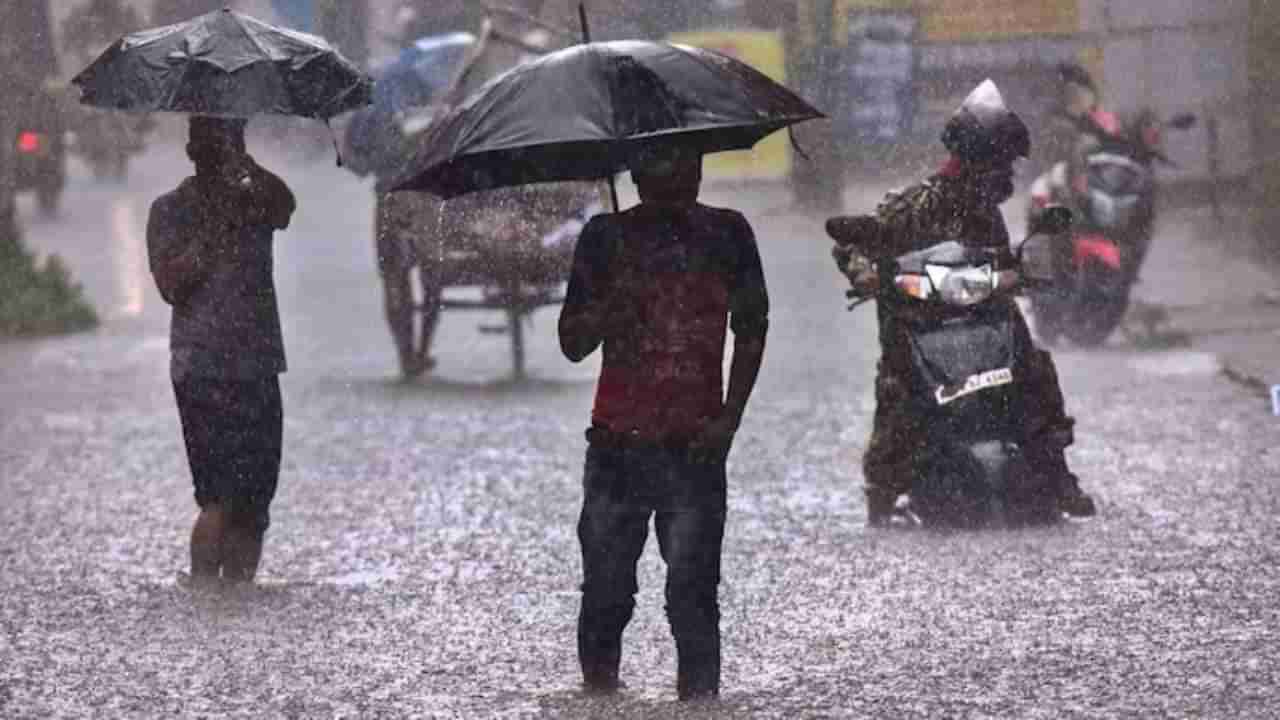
[1112,193]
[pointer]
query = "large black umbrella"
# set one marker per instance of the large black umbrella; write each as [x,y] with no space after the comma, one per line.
[226,64]
[582,113]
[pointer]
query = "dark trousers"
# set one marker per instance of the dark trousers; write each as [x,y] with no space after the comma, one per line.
[623,487]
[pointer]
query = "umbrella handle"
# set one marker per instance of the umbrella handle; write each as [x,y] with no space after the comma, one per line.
[791,133]
[337,150]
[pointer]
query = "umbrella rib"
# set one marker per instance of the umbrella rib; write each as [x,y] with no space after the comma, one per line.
[683,130]
[173,90]
[697,57]
[492,106]
[337,101]
[252,38]
[609,87]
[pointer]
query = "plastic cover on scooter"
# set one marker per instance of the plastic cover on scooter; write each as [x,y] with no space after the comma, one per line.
[963,366]
[964,484]
[981,484]
[1117,185]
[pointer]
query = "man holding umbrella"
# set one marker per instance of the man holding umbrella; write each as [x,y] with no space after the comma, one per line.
[210,246]
[658,286]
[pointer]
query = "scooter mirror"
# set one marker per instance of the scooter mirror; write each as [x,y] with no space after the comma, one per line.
[1053,220]
[1036,259]
[1182,121]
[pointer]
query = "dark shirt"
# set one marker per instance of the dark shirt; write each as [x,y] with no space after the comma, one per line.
[936,210]
[228,325]
[693,274]
[933,211]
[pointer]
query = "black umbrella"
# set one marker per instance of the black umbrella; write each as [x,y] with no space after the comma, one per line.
[226,64]
[582,113]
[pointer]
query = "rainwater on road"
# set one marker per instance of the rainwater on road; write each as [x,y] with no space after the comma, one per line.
[423,560]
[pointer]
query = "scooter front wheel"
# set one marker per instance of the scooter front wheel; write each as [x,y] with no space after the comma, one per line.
[1095,319]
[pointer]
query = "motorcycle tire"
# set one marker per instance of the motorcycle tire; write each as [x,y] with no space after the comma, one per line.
[1047,312]
[1094,320]
[1096,307]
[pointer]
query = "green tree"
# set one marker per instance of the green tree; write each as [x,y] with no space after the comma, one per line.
[35,298]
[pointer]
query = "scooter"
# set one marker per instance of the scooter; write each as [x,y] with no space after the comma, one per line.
[968,348]
[1114,198]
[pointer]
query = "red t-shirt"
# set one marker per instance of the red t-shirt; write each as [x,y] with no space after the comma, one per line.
[691,274]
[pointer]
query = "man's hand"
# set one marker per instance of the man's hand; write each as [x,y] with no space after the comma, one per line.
[860,271]
[716,439]
[865,282]
[861,232]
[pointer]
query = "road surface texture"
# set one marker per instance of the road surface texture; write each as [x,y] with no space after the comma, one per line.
[423,559]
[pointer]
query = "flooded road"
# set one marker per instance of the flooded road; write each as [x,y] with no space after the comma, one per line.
[422,560]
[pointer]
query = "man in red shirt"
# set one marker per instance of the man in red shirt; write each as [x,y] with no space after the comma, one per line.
[659,286]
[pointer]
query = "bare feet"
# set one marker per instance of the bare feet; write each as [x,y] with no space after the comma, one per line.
[415,368]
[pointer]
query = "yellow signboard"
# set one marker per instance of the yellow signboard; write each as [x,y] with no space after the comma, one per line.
[946,21]
[764,51]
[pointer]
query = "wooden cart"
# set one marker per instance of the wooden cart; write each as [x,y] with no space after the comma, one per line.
[514,245]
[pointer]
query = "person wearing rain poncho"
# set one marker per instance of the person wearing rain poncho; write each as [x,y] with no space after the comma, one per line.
[961,202]
[210,248]
[658,286]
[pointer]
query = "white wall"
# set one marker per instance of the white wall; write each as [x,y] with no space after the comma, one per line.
[1175,56]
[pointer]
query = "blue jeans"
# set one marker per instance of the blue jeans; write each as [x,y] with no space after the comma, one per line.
[623,487]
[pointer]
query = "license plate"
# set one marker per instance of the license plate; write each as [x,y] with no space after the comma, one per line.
[947,394]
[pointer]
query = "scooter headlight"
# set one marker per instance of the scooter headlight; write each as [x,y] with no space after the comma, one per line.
[913,285]
[968,286]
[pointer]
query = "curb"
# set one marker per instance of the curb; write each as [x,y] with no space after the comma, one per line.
[1243,376]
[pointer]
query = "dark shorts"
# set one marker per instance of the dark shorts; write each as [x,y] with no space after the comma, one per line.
[233,431]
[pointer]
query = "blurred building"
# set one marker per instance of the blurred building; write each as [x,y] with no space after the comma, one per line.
[28,54]
[1168,56]
[1264,58]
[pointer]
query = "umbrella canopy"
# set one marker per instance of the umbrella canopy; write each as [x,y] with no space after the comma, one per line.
[376,138]
[582,113]
[420,72]
[226,64]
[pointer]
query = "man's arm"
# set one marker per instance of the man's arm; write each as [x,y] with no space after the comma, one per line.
[748,356]
[749,320]
[858,237]
[898,222]
[585,318]
[179,259]
[269,200]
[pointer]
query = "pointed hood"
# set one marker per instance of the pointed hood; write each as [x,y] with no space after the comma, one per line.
[983,128]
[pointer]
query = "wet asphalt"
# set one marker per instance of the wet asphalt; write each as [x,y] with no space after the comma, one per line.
[423,562]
